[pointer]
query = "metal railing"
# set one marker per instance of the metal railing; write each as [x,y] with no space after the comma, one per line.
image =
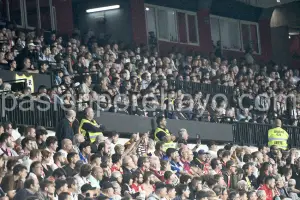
[253,134]
[192,87]
[34,113]
[30,112]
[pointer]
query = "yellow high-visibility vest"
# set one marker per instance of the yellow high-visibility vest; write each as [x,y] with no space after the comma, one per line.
[29,80]
[91,135]
[158,130]
[168,145]
[278,137]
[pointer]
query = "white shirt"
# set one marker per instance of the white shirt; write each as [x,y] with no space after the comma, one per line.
[27,162]
[64,153]
[212,153]
[81,181]
[94,182]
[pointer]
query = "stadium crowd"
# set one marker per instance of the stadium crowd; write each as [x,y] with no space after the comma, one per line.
[75,165]
[105,168]
[91,70]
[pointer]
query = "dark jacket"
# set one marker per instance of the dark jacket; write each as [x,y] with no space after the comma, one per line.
[252,180]
[198,163]
[64,130]
[193,192]
[233,179]
[23,194]
[296,175]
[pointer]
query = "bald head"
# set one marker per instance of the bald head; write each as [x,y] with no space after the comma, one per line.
[89,113]
[278,123]
[78,138]
[126,160]
[67,145]
[155,163]
[71,115]
[183,134]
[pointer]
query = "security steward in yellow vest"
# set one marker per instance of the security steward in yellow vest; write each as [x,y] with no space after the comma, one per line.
[162,134]
[278,136]
[161,131]
[168,143]
[89,127]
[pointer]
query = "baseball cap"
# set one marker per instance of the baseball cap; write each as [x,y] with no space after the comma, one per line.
[31,44]
[107,185]
[86,187]
[133,74]
[201,152]
[159,185]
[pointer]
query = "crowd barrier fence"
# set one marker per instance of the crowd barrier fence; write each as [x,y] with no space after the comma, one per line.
[240,133]
[192,87]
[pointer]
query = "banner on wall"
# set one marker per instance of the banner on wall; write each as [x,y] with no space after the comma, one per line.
[29,80]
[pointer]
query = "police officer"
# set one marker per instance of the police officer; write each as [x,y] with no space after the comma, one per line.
[278,136]
[89,127]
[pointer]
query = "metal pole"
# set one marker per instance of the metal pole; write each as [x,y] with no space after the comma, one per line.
[51,15]
[7,10]
[38,13]
[25,14]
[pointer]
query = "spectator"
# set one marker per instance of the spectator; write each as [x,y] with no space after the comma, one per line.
[268,187]
[46,159]
[82,177]
[47,189]
[89,127]
[64,129]
[229,174]
[61,186]
[72,159]
[14,182]
[31,187]
[35,155]
[41,137]
[160,192]
[85,151]
[96,176]
[72,187]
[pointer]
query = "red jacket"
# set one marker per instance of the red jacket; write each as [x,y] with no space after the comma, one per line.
[268,191]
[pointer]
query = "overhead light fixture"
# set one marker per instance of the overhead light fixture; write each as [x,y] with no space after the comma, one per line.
[147,9]
[103,8]
[278,1]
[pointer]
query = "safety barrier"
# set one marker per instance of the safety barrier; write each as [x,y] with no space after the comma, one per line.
[30,112]
[36,113]
[257,134]
[192,87]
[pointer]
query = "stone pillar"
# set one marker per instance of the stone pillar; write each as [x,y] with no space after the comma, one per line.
[280,37]
[265,34]
[203,12]
[138,22]
[64,16]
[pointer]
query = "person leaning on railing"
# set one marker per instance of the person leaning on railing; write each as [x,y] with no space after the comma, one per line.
[278,136]
[88,127]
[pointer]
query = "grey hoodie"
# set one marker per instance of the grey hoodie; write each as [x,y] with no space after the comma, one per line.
[153,196]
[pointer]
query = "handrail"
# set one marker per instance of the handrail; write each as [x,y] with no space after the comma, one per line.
[243,133]
[193,87]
